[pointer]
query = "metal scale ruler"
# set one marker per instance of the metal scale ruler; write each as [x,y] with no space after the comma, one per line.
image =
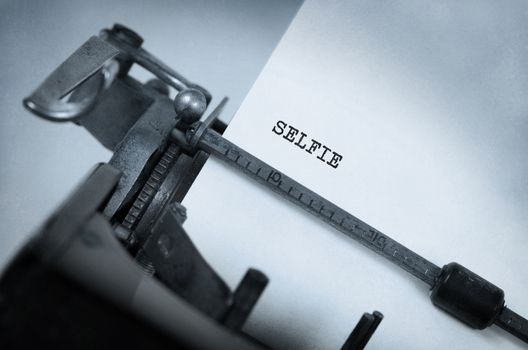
[455,289]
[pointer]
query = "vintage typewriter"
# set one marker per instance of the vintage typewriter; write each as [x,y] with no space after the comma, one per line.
[114,265]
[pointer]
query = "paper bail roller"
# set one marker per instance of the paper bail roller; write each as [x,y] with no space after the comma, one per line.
[467,296]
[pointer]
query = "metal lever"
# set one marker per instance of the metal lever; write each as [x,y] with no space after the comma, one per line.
[129,44]
[92,60]
[364,329]
[100,60]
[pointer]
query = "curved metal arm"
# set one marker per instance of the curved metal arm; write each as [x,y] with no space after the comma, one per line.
[92,60]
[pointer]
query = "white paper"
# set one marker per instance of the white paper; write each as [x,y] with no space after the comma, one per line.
[426,102]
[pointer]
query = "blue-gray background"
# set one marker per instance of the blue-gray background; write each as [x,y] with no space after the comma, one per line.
[221,45]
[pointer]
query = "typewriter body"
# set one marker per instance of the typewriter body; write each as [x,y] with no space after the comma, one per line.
[114,265]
